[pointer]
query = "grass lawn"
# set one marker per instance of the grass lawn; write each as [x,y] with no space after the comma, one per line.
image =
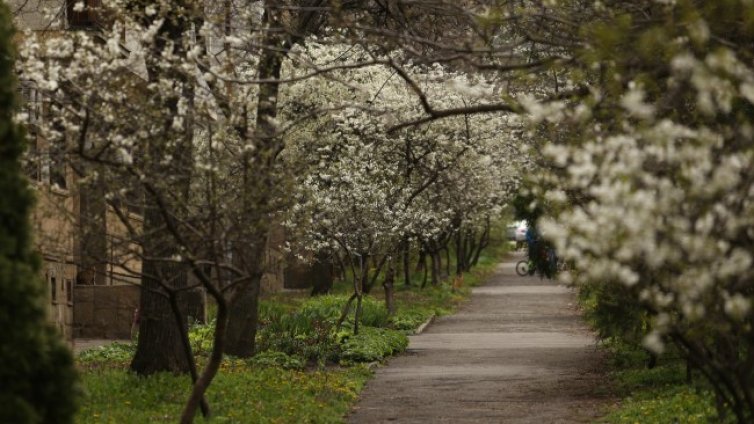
[239,393]
[301,375]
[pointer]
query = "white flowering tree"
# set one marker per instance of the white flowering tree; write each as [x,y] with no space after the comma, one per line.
[159,110]
[365,191]
[652,183]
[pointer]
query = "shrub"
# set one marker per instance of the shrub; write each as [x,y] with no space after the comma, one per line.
[114,352]
[278,359]
[409,319]
[372,344]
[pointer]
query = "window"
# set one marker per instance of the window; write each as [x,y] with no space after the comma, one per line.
[31,102]
[53,289]
[69,290]
[82,14]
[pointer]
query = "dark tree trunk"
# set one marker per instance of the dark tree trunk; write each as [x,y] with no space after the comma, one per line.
[468,249]
[93,230]
[447,261]
[159,347]
[460,255]
[321,275]
[421,262]
[363,279]
[213,365]
[426,272]
[388,285]
[483,243]
[243,316]
[407,264]
[369,283]
[258,187]
[435,257]
[179,319]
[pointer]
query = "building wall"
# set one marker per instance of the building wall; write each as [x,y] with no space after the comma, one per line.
[105,312]
[53,223]
[38,14]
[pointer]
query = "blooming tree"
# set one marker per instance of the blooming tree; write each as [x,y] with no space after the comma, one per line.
[364,190]
[652,186]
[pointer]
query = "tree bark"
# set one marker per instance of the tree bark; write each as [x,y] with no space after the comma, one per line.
[93,230]
[435,261]
[407,264]
[179,319]
[322,275]
[243,318]
[213,365]
[388,285]
[258,185]
[460,255]
[159,347]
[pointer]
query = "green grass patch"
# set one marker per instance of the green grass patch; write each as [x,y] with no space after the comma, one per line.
[657,395]
[241,393]
[306,371]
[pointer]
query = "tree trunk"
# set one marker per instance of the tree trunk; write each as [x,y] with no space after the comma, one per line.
[388,285]
[159,347]
[213,365]
[435,257]
[407,264]
[258,169]
[243,316]
[460,255]
[447,261]
[468,250]
[92,263]
[421,262]
[321,275]
[179,319]
[363,278]
[483,243]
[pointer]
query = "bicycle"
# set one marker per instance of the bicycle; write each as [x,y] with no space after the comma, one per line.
[526,267]
[522,268]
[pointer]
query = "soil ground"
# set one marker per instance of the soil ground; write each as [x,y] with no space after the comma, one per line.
[517,352]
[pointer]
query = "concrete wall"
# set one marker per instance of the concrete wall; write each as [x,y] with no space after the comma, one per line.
[104,312]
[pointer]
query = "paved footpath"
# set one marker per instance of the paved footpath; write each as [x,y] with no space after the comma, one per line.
[517,352]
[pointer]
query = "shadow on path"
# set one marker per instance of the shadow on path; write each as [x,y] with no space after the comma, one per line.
[517,352]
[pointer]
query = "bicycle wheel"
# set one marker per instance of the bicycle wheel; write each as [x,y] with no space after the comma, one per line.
[522,268]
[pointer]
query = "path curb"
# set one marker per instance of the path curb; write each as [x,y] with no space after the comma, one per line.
[420,329]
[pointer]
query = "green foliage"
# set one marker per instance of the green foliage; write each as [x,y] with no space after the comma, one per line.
[372,344]
[37,378]
[409,319]
[114,352]
[241,393]
[201,337]
[310,331]
[278,359]
[670,404]
[613,313]
[328,308]
[657,395]
[272,387]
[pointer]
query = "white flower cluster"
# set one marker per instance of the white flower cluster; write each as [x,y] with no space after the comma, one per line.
[364,189]
[666,204]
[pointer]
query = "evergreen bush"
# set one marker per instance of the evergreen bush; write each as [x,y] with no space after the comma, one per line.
[37,378]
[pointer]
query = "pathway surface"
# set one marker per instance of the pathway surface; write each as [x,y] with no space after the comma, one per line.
[517,352]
